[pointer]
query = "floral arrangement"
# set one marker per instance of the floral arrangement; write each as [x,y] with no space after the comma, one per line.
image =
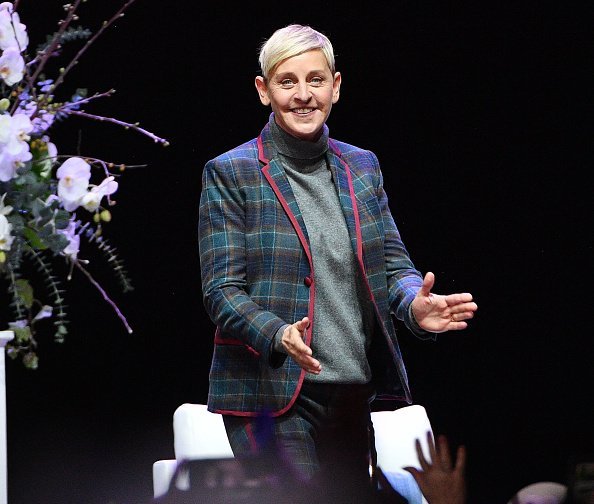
[49,201]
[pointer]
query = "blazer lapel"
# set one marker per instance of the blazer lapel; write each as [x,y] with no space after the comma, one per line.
[277,178]
[342,177]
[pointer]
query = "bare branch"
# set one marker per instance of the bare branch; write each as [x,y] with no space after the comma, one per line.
[124,124]
[97,34]
[104,294]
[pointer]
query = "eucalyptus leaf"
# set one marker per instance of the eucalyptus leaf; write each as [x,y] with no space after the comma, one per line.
[34,240]
[30,360]
[61,219]
[57,242]
[22,335]
[25,292]
[17,221]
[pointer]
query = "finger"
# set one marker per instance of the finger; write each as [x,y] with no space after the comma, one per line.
[416,474]
[431,445]
[314,370]
[444,453]
[455,299]
[311,365]
[463,308]
[302,324]
[461,459]
[421,456]
[428,283]
[462,316]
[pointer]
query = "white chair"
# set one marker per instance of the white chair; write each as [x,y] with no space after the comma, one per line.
[395,434]
[200,434]
[197,434]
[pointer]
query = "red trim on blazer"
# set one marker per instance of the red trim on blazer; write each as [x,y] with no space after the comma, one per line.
[218,340]
[301,236]
[359,236]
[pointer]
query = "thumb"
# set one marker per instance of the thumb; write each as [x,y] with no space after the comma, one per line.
[412,470]
[302,324]
[428,283]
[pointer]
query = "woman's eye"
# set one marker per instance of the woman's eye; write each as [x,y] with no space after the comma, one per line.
[317,81]
[286,83]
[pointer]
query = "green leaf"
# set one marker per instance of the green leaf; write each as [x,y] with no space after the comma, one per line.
[25,292]
[30,360]
[17,221]
[61,219]
[57,242]
[41,164]
[22,335]
[81,92]
[34,240]
[61,332]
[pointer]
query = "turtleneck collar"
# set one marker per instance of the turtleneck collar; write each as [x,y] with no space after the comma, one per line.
[296,148]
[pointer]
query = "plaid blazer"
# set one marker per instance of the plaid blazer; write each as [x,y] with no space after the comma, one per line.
[257,272]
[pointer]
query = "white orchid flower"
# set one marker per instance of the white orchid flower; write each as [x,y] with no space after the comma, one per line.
[14,133]
[14,149]
[10,163]
[92,199]
[52,150]
[5,237]
[13,33]
[74,176]
[45,312]
[12,66]
[4,209]
[73,246]
[5,128]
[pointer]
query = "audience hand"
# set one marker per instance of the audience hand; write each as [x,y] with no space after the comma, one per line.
[440,481]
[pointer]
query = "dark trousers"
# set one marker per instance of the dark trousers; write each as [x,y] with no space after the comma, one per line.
[324,437]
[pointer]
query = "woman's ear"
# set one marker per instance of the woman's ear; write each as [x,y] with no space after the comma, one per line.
[262,90]
[336,87]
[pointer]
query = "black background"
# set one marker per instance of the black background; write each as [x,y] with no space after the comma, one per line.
[481,116]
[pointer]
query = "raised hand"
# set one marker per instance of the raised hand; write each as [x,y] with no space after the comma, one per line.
[437,313]
[440,481]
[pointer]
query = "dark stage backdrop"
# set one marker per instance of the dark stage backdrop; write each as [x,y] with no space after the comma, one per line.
[481,118]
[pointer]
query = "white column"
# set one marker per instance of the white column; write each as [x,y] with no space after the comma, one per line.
[5,337]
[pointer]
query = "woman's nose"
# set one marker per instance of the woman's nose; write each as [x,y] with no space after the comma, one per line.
[303,93]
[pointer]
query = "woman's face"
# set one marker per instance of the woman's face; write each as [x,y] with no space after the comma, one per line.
[301,92]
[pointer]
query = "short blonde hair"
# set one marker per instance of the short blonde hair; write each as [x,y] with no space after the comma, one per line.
[290,41]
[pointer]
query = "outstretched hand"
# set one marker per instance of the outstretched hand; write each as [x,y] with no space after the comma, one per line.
[437,313]
[293,340]
[440,481]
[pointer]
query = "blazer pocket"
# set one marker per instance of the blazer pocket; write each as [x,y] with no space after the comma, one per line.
[222,341]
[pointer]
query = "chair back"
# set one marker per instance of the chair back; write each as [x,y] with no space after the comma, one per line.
[395,433]
[199,433]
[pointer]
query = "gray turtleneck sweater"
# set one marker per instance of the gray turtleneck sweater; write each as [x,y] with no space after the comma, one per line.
[342,311]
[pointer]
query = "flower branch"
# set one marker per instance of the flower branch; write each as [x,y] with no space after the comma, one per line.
[50,201]
[104,294]
[104,26]
[124,124]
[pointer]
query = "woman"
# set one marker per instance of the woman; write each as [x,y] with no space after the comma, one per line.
[302,270]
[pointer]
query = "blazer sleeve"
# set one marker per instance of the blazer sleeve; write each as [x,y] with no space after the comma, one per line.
[404,280]
[223,256]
